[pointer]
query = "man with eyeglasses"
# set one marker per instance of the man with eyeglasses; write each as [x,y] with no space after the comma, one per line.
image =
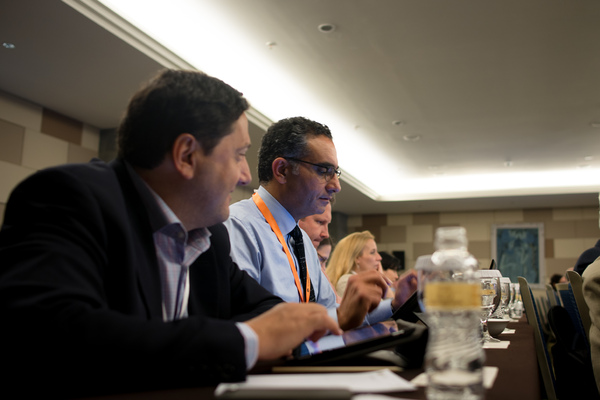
[117,277]
[299,175]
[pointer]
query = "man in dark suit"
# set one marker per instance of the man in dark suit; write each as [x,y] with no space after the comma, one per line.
[117,277]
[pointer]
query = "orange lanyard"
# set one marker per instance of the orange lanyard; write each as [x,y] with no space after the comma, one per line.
[275,228]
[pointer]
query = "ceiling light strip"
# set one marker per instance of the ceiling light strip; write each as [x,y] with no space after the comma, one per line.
[127,32]
[124,30]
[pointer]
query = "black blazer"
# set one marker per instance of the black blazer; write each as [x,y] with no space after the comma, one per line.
[80,294]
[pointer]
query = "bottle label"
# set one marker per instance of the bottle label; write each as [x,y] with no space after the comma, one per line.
[452,295]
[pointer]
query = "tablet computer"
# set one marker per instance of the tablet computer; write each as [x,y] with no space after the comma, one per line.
[332,349]
[409,310]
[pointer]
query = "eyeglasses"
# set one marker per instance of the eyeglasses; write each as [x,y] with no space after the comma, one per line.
[326,171]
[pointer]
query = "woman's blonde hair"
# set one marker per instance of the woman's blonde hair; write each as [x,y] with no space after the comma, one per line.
[343,257]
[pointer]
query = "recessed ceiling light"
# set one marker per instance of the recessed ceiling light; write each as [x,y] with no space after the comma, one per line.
[411,138]
[584,166]
[8,45]
[588,158]
[326,28]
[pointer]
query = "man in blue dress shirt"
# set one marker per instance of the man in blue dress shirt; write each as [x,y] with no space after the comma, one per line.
[298,172]
[117,277]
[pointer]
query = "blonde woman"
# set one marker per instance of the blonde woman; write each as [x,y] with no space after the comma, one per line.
[355,253]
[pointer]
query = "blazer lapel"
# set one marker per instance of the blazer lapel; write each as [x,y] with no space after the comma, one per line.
[146,264]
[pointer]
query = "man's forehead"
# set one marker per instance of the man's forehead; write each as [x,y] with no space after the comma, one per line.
[322,147]
[325,217]
[240,132]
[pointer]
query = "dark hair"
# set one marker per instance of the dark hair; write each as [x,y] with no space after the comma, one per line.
[172,103]
[388,261]
[554,279]
[286,138]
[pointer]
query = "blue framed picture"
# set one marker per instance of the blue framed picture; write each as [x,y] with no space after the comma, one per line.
[519,251]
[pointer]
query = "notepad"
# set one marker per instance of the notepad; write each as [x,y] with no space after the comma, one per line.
[380,381]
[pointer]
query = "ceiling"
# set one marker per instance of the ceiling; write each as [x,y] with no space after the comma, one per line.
[486,86]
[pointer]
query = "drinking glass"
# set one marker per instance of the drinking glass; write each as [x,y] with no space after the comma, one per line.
[518,304]
[489,290]
[502,310]
[511,300]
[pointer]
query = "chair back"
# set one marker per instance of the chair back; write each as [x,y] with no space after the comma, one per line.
[567,297]
[571,358]
[541,348]
[542,306]
[576,282]
[552,295]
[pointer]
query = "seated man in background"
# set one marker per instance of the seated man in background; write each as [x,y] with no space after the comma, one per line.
[324,252]
[298,172]
[390,266]
[316,227]
[586,258]
[554,279]
[117,277]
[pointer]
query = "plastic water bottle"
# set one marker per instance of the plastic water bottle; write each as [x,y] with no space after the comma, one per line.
[450,295]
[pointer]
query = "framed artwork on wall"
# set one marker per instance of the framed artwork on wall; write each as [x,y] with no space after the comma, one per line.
[519,251]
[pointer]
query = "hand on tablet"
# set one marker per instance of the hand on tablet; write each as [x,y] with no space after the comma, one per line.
[362,295]
[286,325]
[406,285]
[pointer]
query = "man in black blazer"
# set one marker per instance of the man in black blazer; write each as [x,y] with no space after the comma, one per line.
[117,277]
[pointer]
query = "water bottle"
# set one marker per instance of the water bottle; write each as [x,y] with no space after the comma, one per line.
[449,293]
[517,309]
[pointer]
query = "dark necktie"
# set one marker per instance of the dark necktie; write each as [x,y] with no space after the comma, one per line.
[296,234]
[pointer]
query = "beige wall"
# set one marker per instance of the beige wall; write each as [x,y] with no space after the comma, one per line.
[32,138]
[567,232]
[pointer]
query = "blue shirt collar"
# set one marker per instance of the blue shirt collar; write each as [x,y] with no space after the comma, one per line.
[283,218]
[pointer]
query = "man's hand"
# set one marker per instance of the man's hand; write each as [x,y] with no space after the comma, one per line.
[286,325]
[406,285]
[362,295]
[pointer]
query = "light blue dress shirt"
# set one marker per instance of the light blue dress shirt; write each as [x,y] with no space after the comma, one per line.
[256,249]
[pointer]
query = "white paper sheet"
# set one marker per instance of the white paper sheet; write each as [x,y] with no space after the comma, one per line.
[360,382]
[489,377]
[371,396]
[503,344]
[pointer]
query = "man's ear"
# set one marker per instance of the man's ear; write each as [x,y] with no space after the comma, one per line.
[184,155]
[281,167]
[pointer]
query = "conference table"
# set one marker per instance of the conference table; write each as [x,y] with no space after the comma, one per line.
[518,374]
